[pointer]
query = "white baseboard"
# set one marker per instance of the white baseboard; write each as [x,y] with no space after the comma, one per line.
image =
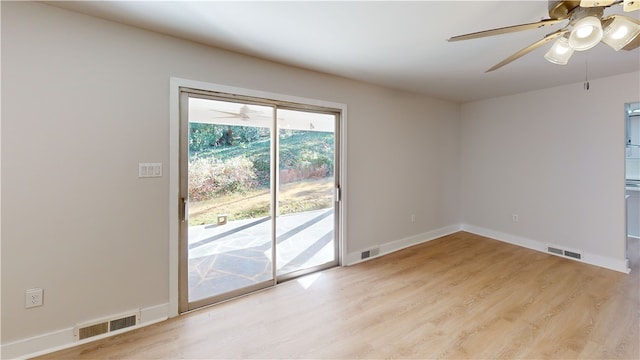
[393,246]
[588,258]
[63,339]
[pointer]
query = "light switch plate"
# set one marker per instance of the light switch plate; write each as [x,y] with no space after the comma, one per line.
[146,170]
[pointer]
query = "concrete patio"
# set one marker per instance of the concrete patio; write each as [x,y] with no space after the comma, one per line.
[238,254]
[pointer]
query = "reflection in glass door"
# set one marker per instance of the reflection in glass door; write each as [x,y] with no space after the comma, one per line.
[258,185]
[227,186]
[306,188]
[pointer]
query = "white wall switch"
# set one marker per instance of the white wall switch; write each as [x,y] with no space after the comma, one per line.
[149,170]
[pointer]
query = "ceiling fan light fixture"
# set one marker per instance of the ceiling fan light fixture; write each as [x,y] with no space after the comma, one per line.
[587,33]
[560,52]
[620,32]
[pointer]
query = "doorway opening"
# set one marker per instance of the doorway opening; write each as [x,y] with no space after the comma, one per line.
[632,173]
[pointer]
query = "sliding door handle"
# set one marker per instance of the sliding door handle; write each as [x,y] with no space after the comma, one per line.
[183,207]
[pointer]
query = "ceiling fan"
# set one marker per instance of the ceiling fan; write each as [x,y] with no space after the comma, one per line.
[245,113]
[586,28]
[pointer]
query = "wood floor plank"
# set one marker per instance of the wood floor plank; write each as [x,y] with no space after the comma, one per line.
[460,296]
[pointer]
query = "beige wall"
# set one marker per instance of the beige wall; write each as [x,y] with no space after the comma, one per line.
[85,100]
[556,158]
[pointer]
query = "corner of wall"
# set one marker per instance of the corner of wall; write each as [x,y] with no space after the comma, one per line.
[396,245]
[587,258]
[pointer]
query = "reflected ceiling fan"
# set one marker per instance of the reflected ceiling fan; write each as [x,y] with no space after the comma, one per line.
[243,114]
[586,28]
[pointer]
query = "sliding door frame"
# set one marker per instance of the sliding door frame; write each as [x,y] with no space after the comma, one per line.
[254,96]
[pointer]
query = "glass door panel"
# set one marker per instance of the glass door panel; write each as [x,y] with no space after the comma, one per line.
[229,223]
[257,185]
[306,186]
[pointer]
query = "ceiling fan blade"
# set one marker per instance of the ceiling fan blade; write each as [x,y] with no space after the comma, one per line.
[597,3]
[528,49]
[634,44]
[631,5]
[506,30]
[226,112]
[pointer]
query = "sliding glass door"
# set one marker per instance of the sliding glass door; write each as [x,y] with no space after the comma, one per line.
[258,194]
[306,191]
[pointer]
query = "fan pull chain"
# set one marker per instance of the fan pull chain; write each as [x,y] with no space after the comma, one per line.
[586,75]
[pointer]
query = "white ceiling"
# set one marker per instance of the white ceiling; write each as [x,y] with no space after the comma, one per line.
[396,44]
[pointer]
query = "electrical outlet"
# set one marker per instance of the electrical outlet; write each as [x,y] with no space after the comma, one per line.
[33,298]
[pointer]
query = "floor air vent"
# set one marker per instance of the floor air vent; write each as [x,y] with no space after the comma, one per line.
[369,253]
[554,250]
[100,327]
[122,323]
[562,252]
[572,254]
[93,330]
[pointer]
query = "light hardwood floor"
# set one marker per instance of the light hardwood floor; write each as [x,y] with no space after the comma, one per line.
[460,296]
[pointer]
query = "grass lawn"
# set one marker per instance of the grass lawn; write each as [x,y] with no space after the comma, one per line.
[300,196]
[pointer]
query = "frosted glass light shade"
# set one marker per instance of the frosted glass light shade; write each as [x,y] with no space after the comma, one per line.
[560,52]
[620,32]
[587,33]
